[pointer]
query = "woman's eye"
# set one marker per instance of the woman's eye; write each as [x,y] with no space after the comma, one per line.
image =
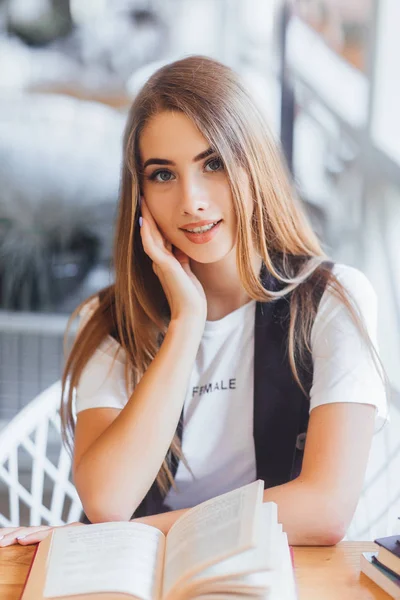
[163,176]
[215,163]
[160,176]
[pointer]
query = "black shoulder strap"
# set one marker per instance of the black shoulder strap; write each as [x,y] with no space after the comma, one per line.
[280,407]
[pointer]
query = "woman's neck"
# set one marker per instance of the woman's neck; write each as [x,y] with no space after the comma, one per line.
[222,286]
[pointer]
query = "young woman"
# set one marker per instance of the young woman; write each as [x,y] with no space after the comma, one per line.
[229,348]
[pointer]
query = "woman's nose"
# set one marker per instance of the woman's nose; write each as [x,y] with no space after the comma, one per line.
[193,196]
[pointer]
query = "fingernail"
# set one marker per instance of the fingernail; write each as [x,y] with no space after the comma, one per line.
[21,537]
[140,221]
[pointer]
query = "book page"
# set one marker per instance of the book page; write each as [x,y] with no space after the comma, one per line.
[263,557]
[278,584]
[255,585]
[253,568]
[284,586]
[230,596]
[105,557]
[212,531]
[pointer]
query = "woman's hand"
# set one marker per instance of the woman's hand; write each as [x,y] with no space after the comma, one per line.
[27,535]
[183,290]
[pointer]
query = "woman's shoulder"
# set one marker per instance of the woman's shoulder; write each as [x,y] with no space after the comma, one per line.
[89,307]
[109,346]
[102,381]
[86,311]
[357,285]
[352,277]
[345,368]
[359,290]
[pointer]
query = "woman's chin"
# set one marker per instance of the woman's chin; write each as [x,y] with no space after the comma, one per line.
[206,256]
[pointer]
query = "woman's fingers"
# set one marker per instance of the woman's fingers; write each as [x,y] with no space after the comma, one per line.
[153,241]
[27,535]
[181,256]
[38,536]
[35,537]
[16,535]
[156,240]
[147,241]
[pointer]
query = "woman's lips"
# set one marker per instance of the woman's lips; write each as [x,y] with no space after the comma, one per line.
[202,238]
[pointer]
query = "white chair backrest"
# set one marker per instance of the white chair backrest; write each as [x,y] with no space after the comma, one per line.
[379,506]
[31,471]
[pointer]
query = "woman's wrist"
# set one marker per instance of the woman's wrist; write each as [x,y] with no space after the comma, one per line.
[188,325]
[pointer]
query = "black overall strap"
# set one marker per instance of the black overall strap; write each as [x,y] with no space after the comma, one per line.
[281,409]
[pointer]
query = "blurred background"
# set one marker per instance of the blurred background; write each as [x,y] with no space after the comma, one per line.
[324,72]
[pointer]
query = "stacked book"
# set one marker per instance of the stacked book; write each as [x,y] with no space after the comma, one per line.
[383,567]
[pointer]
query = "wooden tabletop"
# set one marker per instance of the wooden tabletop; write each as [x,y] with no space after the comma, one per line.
[333,573]
[330,573]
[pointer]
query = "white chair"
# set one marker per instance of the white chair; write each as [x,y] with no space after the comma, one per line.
[38,482]
[379,506]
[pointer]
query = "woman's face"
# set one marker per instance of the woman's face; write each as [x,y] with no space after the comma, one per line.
[185,187]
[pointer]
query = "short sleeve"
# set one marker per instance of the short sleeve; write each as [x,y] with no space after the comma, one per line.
[344,369]
[102,382]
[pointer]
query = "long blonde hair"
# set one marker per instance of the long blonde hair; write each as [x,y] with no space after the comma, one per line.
[135,309]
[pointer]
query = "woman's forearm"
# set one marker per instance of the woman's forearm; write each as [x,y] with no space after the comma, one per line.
[163,521]
[115,473]
[310,516]
[306,514]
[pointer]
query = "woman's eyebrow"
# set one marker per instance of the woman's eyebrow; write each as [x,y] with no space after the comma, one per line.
[165,161]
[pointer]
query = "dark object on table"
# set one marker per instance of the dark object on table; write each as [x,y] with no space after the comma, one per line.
[389,553]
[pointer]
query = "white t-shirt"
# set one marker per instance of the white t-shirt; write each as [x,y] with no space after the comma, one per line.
[218,410]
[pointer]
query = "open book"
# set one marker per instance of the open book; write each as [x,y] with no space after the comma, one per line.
[231,545]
